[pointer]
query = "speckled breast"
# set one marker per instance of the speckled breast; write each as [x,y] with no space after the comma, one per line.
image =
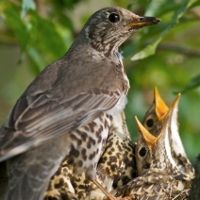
[88,143]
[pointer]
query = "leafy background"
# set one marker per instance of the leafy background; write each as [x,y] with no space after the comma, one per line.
[35,33]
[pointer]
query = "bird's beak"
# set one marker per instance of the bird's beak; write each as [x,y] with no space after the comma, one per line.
[148,137]
[160,107]
[143,21]
[169,114]
[175,102]
[173,106]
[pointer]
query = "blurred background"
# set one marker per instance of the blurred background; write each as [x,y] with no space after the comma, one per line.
[33,34]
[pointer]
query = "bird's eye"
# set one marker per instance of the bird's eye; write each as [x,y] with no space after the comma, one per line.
[113,17]
[142,152]
[149,123]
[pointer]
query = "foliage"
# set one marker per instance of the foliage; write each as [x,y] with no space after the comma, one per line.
[166,55]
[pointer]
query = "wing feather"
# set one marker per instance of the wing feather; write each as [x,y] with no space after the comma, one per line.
[58,101]
[48,118]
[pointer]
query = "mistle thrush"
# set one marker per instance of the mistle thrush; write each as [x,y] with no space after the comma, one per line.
[68,108]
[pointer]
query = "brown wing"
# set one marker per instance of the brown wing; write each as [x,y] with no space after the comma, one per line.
[46,118]
[58,101]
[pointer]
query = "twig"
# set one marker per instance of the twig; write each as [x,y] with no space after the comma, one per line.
[179,49]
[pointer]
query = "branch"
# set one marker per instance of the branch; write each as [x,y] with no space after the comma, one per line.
[179,49]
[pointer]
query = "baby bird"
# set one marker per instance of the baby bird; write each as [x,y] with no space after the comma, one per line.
[153,122]
[159,177]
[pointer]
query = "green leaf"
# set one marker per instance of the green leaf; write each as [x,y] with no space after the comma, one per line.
[36,59]
[161,8]
[11,12]
[45,36]
[150,49]
[26,6]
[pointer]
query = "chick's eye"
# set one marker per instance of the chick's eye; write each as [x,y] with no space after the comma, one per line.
[149,123]
[142,152]
[114,17]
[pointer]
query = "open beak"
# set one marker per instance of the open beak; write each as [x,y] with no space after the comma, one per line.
[169,114]
[175,102]
[143,21]
[160,107]
[148,137]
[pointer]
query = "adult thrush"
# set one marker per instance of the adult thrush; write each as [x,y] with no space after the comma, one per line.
[68,107]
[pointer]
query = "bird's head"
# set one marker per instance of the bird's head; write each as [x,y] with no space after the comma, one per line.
[154,117]
[154,153]
[108,28]
[144,149]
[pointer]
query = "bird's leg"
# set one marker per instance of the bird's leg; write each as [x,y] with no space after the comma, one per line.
[110,197]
